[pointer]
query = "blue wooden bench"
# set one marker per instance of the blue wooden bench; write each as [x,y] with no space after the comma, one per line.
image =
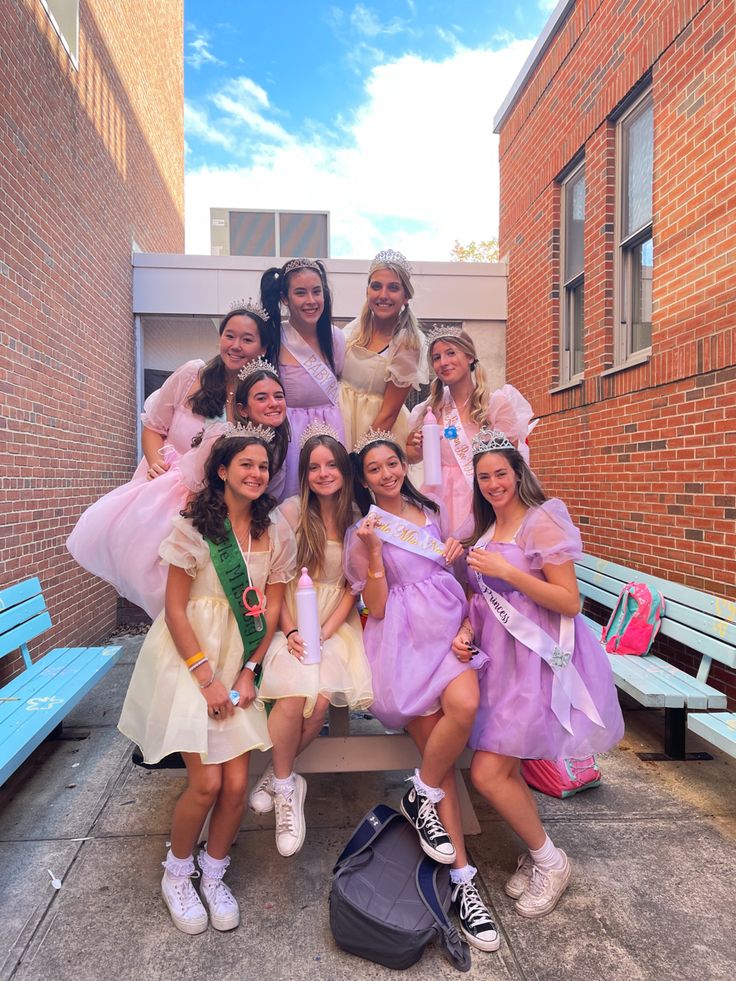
[703,623]
[34,702]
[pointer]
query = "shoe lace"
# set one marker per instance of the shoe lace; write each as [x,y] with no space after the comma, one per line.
[473,908]
[428,819]
[537,881]
[219,894]
[265,783]
[186,894]
[284,815]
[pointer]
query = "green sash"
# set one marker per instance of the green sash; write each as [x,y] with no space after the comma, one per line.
[235,580]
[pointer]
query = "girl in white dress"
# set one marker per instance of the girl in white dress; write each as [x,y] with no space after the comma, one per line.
[301,693]
[384,354]
[229,559]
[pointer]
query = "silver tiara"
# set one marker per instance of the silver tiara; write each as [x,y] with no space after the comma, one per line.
[374,436]
[389,257]
[257,364]
[439,331]
[490,441]
[264,433]
[250,306]
[301,263]
[318,428]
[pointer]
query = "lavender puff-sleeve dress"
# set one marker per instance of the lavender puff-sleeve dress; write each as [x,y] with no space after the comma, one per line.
[515,717]
[409,650]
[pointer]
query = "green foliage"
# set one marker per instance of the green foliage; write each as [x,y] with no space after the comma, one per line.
[486,251]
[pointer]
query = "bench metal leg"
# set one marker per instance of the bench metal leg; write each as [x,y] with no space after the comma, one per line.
[675,730]
[467,811]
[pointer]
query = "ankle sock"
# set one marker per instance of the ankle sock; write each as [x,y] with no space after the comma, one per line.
[461,876]
[284,786]
[547,857]
[179,867]
[435,794]
[212,868]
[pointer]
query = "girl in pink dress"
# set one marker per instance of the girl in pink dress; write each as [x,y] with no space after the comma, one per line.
[462,403]
[548,690]
[310,351]
[117,537]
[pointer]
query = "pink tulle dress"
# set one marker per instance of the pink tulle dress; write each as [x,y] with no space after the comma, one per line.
[307,402]
[409,649]
[515,717]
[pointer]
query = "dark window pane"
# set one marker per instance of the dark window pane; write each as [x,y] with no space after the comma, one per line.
[642,266]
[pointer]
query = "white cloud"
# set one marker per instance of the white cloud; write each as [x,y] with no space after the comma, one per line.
[365,21]
[197,124]
[417,168]
[199,53]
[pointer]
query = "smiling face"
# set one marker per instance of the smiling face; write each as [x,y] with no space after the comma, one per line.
[246,476]
[305,298]
[266,403]
[240,342]
[497,481]
[383,472]
[450,363]
[323,474]
[385,295]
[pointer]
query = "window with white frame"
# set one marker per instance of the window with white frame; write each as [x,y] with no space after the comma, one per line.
[573,280]
[64,15]
[635,243]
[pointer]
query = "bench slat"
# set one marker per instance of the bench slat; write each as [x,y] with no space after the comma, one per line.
[698,694]
[12,595]
[718,728]
[27,681]
[24,632]
[21,612]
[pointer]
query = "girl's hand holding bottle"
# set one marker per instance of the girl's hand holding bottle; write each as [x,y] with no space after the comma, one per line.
[245,686]
[218,701]
[295,645]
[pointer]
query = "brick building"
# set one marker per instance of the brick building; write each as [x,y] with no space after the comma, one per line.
[618,221]
[91,169]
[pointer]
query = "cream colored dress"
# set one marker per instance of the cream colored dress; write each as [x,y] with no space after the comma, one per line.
[343,674]
[364,378]
[164,710]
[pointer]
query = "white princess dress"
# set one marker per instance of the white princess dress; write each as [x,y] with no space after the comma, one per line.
[343,674]
[164,710]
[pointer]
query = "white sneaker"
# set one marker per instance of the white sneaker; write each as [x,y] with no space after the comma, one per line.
[544,890]
[290,825]
[520,879]
[261,797]
[223,906]
[185,906]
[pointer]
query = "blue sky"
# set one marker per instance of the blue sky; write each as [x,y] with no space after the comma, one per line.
[379,112]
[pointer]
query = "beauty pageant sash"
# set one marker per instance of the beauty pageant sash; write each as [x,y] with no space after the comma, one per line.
[460,444]
[568,688]
[310,361]
[390,528]
[246,601]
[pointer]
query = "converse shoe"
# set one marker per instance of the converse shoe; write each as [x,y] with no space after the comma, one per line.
[223,906]
[290,825]
[544,890]
[185,906]
[261,797]
[420,812]
[520,879]
[475,920]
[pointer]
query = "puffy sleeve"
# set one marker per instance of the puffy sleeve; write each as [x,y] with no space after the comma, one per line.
[510,412]
[548,536]
[283,549]
[184,547]
[406,364]
[158,409]
[192,463]
[338,349]
[289,509]
[416,416]
[355,561]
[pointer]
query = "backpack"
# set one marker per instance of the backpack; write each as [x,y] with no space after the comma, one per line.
[562,777]
[635,620]
[388,899]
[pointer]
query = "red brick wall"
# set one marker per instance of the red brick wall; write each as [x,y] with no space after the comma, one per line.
[645,457]
[90,159]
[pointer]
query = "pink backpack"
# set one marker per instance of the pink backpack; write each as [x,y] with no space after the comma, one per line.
[562,777]
[635,620]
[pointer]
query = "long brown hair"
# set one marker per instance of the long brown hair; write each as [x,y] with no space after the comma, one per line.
[207,509]
[528,488]
[280,445]
[364,498]
[311,536]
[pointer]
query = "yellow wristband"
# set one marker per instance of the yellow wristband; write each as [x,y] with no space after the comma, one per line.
[194,658]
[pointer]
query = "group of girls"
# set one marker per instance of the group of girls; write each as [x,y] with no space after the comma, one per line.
[472,635]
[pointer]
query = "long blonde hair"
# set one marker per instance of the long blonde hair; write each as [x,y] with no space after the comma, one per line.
[480,395]
[311,536]
[407,322]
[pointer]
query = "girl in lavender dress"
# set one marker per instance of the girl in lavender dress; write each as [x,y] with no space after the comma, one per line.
[548,690]
[311,351]
[117,537]
[462,403]
[396,557]
[384,354]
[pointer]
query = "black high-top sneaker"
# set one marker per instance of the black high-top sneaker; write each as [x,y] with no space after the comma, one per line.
[475,920]
[420,812]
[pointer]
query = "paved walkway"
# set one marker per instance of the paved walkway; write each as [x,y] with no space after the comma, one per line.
[652,897]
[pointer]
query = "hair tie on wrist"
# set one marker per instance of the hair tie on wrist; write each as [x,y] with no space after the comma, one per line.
[294,631]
